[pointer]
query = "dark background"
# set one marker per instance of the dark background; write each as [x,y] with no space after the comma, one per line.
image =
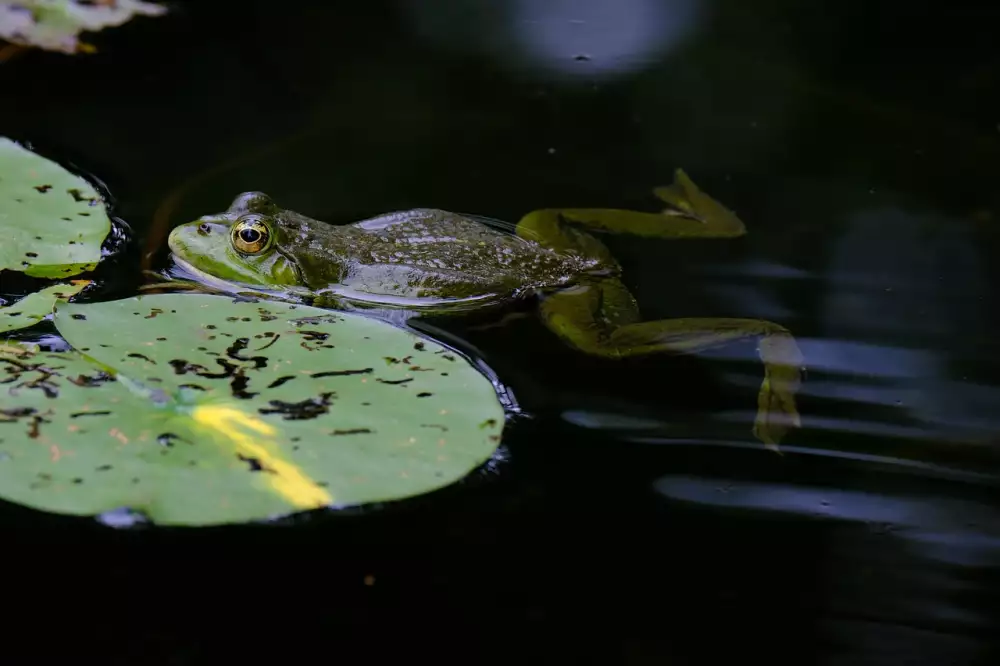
[631,517]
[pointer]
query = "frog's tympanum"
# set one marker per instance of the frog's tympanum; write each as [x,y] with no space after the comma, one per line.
[427,259]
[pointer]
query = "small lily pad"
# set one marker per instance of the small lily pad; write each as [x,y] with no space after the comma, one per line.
[52,222]
[35,307]
[55,25]
[198,409]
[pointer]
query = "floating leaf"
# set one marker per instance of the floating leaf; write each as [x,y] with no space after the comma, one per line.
[224,411]
[52,222]
[37,306]
[55,25]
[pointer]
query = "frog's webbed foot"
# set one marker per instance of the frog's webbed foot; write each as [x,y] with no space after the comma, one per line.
[600,319]
[686,200]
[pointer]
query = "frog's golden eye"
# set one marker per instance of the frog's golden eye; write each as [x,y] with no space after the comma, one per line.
[251,234]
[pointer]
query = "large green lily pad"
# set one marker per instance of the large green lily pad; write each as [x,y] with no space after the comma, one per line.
[52,222]
[55,25]
[35,307]
[197,409]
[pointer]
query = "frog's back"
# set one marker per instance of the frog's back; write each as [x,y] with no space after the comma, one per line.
[428,256]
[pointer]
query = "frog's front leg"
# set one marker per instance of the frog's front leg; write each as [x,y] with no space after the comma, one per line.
[692,214]
[601,318]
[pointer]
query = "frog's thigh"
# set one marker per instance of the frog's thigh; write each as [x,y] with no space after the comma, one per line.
[584,315]
[547,228]
[601,319]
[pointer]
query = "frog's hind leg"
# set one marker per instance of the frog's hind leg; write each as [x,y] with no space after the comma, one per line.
[692,214]
[601,318]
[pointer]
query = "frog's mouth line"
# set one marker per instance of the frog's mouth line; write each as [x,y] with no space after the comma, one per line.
[209,280]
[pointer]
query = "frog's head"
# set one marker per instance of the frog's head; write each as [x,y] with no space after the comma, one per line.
[243,245]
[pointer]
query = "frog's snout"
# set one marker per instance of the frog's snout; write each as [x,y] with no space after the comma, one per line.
[173,239]
[194,234]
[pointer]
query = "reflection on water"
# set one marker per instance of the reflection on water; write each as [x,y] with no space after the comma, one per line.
[902,569]
[581,39]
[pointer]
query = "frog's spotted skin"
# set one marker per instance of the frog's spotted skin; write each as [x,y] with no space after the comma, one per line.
[428,258]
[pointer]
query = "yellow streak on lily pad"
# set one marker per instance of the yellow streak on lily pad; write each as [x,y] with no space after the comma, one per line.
[287,479]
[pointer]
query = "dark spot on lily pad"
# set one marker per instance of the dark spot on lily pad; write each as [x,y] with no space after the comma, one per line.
[254,463]
[31,255]
[167,439]
[309,408]
[96,413]
[351,431]
[281,380]
[43,188]
[273,340]
[341,373]
[233,352]
[239,385]
[425,394]
[14,413]
[78,316]
[90,381]
[142,356]
[394,382]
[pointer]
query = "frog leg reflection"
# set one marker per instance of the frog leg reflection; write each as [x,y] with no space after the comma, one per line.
[601,318]
[692,214]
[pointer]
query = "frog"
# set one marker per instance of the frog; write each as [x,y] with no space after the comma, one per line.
[430,260]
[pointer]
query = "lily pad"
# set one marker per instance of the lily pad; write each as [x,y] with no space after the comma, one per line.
[198,409]
[52,222]
[55,25]
[35,307]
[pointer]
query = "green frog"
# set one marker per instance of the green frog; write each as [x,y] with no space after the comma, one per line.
[425,260]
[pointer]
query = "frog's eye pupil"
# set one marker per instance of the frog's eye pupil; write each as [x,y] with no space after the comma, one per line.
[249,235]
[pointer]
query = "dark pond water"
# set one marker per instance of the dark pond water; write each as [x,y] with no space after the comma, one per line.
[634,519]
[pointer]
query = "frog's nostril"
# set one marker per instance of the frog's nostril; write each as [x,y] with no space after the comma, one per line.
[203,229]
